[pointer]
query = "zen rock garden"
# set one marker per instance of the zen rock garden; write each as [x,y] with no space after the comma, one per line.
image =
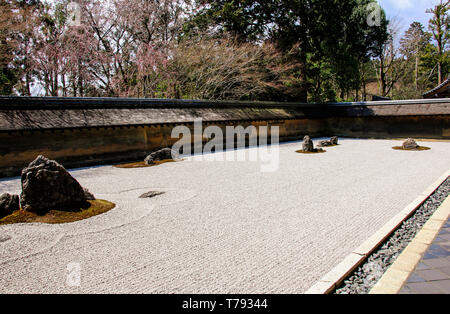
[177,221]
[47,185]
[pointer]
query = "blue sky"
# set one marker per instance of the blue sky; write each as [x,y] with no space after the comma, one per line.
[408,11]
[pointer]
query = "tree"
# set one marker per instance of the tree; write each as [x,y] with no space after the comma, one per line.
[228,69]
[412,45]
[150,30]
[429,65]
[439,25]
[133,40]
[328,33]
[17,20]
[244,20]
[8,44]
[388,64]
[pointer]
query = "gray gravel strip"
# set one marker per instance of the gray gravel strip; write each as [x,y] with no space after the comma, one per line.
[364,278]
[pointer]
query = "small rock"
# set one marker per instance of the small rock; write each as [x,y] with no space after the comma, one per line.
[308,145]
[325,144]
[334,140]
[89,196]
[410,144]
[8,204]
[163,154]
[4,238]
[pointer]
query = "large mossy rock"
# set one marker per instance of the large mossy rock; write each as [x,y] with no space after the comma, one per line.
[308,145]
[46,185]
[8,204]
[163,154]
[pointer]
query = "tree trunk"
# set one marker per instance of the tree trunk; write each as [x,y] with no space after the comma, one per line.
[382,79]
[303,94]
[28,83]
[440,72]
[417,72]
[439,62]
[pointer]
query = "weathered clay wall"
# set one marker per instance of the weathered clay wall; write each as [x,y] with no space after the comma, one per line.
[82,132]
[92,146]
[421,127]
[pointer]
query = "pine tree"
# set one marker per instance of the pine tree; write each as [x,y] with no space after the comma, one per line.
[412,44]
[439,25]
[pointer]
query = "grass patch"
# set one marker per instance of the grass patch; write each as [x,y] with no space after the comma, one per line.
[96,207]
[142,164]
[316,151]
[420,148]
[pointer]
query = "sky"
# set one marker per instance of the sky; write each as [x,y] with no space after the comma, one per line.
[408,11]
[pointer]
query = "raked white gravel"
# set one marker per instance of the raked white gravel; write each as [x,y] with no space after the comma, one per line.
[221,227]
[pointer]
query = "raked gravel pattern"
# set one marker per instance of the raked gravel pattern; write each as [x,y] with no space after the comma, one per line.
[221,227]
[364,278]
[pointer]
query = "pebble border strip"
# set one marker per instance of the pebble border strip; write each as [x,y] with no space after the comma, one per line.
[394,278]
[337,275]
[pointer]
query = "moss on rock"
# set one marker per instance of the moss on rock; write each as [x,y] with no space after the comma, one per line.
[95,207]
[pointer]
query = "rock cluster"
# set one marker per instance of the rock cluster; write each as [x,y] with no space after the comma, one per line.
[163,154]
[333,141]
[47,185]
[324,144]
[8,204]
[308,145]
[410,144]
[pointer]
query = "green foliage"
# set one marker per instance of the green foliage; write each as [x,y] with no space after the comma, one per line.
[429,58]
[332,36]
[246,20]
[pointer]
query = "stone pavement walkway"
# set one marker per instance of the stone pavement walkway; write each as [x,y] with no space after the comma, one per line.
[432,274]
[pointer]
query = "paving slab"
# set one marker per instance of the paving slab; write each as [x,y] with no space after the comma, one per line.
[432,274]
